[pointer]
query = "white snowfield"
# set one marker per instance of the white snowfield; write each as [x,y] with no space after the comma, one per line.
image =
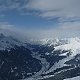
[73,44]
[49,42]
[74,78]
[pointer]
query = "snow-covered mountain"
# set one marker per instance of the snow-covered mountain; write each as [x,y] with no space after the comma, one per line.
[62,55]
[46,59]
[73,44]
[16,61]
[8,42]
[74,78]
[67,44]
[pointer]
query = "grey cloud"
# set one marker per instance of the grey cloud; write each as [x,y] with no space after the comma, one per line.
[63,9]
[62,30]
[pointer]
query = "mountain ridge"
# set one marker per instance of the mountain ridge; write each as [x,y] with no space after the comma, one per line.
[50,57]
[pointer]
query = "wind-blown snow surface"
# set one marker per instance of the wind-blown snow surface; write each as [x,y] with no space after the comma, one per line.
[74,78]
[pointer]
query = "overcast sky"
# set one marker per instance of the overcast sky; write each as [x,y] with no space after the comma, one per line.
[41,18]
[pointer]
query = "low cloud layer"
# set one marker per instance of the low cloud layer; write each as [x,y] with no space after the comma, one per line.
[62,30]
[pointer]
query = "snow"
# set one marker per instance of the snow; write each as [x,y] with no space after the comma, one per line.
[8,42]
[63,44]
[44,63]
[45,66]
[64,54]
[74,78]
[59,64]
[47,53]
[53,42]
[50,41]
[70,44]
[73,45]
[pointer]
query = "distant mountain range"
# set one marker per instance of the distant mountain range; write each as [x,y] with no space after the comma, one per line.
[45,59]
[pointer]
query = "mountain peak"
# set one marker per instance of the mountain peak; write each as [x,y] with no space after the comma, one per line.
[73,44]
[8,42]
[2,35]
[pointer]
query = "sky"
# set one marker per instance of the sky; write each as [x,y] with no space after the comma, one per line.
[41,18]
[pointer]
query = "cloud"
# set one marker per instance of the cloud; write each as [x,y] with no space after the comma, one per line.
[65,10]
[12,30]
[10,5]
[62,30]
[5,25]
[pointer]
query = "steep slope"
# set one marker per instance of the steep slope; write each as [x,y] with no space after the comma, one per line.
[16,61]
[67,67]
[73,44]
[46,59]
[7,42]
[62,55]
[74,78]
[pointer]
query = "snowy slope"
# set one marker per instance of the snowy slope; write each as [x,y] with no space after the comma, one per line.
[7,42]
[73,44]
[70,44]
[50,42]
[74,78]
